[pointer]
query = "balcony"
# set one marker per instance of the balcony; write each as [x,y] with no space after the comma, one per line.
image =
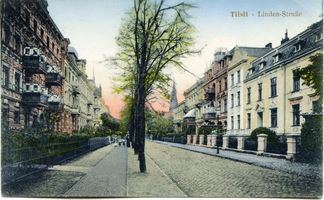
[53,79]
[55,107]
[209,116]
[34,95]
[209,113]
[210,94]
[75,90]
[75,109]
[34,64]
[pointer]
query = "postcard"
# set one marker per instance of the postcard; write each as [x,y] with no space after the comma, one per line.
[161,98]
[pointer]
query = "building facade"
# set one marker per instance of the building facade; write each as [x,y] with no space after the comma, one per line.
[193,98]
[277,97]
[34,62]
[32,53]
[237,70]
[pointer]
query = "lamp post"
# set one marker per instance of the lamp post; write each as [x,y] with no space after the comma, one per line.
[218,110]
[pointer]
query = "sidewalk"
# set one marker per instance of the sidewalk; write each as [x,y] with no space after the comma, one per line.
[302,169]
[108,178]
[153,183]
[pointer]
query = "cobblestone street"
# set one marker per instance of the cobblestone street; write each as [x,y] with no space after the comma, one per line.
[171,172]
[200,175]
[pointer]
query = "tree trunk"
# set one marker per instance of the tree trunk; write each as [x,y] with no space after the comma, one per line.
[140,123]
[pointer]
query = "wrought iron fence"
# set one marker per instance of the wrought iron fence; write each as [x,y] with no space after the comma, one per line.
[232,142]
[279,147]
[19,161]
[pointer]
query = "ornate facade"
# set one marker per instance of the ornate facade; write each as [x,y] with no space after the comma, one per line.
[34,59]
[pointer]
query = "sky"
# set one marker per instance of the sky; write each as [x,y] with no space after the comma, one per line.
[93,25]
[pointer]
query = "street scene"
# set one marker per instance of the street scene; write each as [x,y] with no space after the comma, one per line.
[161,98]
[172,172]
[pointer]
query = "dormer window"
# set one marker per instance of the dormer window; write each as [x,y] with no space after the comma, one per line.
[319,36]
[299,45]
[262,65]
[276,57]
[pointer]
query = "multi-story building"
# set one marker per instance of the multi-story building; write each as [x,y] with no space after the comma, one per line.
[275,96]
[193,97]
[215,86]
[32,56]
[34,61]
[237,70]
[178,114]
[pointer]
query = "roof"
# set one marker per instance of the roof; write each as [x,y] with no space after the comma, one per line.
[255,51]
[191,114]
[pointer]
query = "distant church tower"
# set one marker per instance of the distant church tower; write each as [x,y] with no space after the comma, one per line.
[173,100]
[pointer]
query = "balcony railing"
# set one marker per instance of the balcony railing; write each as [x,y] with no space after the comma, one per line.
[34,64]
[34,99]
[210,95]
[54,79]
[209,116]
[54,99]
[209,113]
[34,95]
[75,90]
[55,107]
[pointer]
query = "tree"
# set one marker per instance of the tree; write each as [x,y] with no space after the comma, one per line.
[158,124]
[109,122]
[152,37]
[312,74]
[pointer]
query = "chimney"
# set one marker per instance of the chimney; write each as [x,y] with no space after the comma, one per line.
[286,37]
[269,45]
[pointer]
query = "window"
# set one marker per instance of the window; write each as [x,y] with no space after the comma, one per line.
[17,82]
[17,117]
[249,120]
[298,47]
[232,79]
[273,87]
[317,108]
[238,122]
[42,33]
[53,46]
[220,86]
[232,100]
[238,76]
[225,105]
[249,95]
[274,117]
[276,58]
[225,80]
[296,81]
[296,115]
[220,105]
[232,122]
[7,34]
[319,36]
[262,65]
[5,76]
[35,25]
[238,98]
[260,91]
[47,41]
[260,119]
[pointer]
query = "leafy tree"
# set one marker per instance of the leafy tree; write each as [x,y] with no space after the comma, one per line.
[205,130]
[152,37]
[312,75]
[159,125]
[109,122]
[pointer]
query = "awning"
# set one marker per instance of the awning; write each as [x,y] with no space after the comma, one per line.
[191,114]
